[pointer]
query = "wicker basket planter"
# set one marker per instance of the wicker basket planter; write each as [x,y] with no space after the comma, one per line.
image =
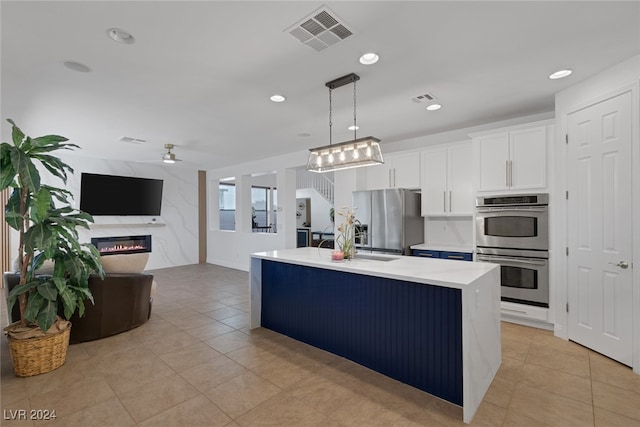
[39,355]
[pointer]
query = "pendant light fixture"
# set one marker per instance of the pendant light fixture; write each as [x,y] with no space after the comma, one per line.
[349,154]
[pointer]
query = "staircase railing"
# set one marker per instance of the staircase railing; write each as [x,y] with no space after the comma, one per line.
[321,182]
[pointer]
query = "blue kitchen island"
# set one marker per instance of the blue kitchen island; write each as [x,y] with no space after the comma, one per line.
[432,324]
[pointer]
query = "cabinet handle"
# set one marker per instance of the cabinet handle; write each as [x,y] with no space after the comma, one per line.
[510,173]
[425,254]
[450,201]
[514,311]
[506,172]
[455,257]
[444,201]
[390,184]
[394,177]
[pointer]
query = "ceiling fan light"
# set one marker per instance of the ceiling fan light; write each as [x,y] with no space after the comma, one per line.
[169,157]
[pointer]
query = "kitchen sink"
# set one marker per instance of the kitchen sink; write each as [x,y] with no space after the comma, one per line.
[374,257]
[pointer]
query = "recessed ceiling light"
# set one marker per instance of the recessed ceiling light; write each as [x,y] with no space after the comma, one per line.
[369,58]
[76,66]
[304,134]
[352,127]
[277,98]
[434,107]
[120,36]
[560,74]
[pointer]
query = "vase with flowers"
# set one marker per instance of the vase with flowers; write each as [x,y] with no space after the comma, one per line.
[345,241]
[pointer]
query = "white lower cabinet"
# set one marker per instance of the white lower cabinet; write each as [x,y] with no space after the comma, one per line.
[525,315]
[447,181]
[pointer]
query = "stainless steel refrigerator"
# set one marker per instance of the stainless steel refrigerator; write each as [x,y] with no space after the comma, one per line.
[390,220]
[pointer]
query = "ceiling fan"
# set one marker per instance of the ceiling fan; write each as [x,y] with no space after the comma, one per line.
[169,157]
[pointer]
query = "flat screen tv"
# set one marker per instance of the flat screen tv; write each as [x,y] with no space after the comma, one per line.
[120,195]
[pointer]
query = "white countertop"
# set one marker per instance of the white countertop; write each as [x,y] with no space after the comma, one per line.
[437,247]
[440,272]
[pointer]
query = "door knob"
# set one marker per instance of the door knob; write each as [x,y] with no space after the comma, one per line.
[621,264]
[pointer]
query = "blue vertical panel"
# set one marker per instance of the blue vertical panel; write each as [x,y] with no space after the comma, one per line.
[408,331]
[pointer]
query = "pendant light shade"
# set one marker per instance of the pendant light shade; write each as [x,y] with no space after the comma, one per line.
[349,154]
[345,155]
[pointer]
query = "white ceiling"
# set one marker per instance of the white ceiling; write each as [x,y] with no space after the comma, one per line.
[200,73]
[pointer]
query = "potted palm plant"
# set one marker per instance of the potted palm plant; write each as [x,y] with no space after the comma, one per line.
[47,230]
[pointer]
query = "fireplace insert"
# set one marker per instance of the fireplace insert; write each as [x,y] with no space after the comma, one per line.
[122,244]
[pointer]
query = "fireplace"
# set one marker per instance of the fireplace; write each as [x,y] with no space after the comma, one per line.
[122,244]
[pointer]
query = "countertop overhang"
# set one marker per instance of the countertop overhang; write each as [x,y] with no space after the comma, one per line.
[440,272]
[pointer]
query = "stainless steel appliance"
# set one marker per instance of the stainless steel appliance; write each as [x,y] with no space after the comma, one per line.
[513,231]
[524,275]
[513,221]
[390,220]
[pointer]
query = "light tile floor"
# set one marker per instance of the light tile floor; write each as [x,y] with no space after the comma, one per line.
[196,363]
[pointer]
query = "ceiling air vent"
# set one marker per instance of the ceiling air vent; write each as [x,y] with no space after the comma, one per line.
[320,29]
[130,140]
[423,98]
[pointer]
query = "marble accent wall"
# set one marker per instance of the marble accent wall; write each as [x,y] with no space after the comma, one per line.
[174,232]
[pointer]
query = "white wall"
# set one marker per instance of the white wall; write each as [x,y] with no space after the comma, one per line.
[234,248]
[172,245]
[622,76]
[319,209]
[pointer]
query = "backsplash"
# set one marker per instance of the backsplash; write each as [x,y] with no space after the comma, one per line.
[449,231]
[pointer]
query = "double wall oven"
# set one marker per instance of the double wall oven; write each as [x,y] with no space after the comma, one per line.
[513,231]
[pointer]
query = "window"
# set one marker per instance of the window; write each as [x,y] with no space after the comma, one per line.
[227,206]
[263,209]
[259,197]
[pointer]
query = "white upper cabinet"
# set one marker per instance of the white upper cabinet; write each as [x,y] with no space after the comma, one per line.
[398,171]
[447,181]
[493,155]
[460,179]
[528,149]
[512,159]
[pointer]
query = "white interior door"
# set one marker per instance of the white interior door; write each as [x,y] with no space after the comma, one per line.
[600,227]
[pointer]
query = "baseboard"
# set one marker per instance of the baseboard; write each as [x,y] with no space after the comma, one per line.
[225,263]
[527,322]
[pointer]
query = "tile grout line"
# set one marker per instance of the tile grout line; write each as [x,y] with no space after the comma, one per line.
[524,362]
[593,403]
